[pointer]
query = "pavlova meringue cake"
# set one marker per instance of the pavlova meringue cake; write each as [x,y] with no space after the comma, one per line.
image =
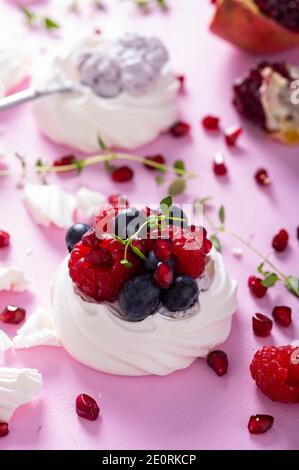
[126,93]
[136,306]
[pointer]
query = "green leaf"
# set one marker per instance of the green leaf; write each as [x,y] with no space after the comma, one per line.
[216,242]
[270,280]
[30,16]
[138,252]
[221,214]
[102,144]
[159,179]
[179,165]
[166,202]
[123,242]
[126,263]
[79,164]
[162,4]
[39,163]
[177,187]
[292,284]
[50,24]
[109,167]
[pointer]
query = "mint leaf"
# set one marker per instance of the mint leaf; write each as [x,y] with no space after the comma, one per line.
[50,24]
[30,16]
[179,165]
[39,163]
[260,269]
[138,252]
[166,202]
[162,4]
[126,263]
[270,280]
[159,179]
[216,242]
[221,214]
[79,164]
[102,144]
[292,284]
[177,187]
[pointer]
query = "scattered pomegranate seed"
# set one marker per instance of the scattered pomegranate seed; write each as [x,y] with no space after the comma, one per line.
[99,258]
[259,424]
[98,31]
[261,324]
[218,361]
[87,407]
[256,287]
[262,177]
[3,429]
[180,129]
[156,159]
[66,160]
[119,201]
[122,174]
[298,233]
[219,166]
[280,241]
[232,134]
[211,123]
[182,81]
[282,315]
[4,239]
[163,275]
[162,249]
[12,314]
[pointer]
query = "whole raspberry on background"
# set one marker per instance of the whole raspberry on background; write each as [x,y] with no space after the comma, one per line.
[276,372]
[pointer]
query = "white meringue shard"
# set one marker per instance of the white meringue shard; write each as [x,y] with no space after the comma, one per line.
[5,345]
[38,330]
[13,279]
[237,252]
[17,387]
[88,202]
[48,204]
[15,63]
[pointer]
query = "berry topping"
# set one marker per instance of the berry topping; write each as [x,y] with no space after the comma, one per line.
[66,160]
[190,252]
[211,123]
[164,275]
[259,424]
[101,283]
[75,234]
[128,222]
[232,134]
[162,249]
[282,315]
[118,201]
[12,314]
[139,298]
[180,129]
[4,239]
[182,295]
[99,257]
[218,361]
[261,324]
[151,262]
[276,372]
[156,159]
[256,287]
[262,177]
[122,174]
[87,407]
[219,166]
[280,241]
[3,429]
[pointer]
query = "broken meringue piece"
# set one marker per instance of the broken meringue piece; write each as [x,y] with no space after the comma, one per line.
[48,204]
[5,344]
[13,279]
[88,202]
[38,330]
[237,252]
[14,67]
[17,387]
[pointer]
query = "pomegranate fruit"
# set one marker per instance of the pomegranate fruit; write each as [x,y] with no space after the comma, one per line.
[258,26]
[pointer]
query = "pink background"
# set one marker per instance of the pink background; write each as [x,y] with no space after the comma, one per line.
[193,408]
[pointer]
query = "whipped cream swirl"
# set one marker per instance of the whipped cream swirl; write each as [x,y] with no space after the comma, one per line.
[95,336]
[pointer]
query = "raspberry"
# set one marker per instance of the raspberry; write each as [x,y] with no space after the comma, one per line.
[276,372]
[94,277]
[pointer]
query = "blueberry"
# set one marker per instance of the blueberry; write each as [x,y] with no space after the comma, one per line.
[182,295]
[151,262]
[139,298]
[177,212]
[128,221]
[74,234]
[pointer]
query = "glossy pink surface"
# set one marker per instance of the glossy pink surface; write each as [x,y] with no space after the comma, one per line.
[193,408]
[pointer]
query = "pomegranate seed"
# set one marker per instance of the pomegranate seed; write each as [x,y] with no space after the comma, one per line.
[87,407]
[3,429]
[99,258]
[259,424]
[4,239]
[163,275]
[122,174]
[232,134]
[182,81]
[118,201]
[298,233]
[98,31]
[12,314]
[261,324]
[207,245]
[218,361]
[280,241]
[256,287]
[219,166]
[66,160]
[180,129]
[262,177]
[156,159]
[211,123]
[162,249]
[282,315]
